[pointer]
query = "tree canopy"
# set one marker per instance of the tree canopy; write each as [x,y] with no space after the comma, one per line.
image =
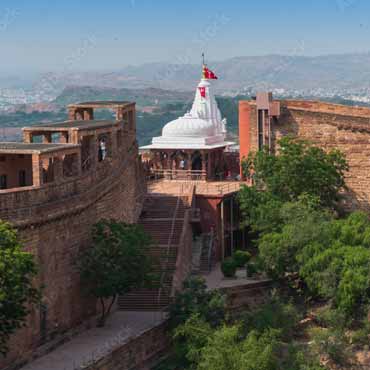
[117,262]
[17,292]
[299,168]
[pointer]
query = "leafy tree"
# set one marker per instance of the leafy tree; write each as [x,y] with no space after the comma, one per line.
[223,350]
[300,225]
[275,314]
[17,293]
[226,349]
[117,262]
[190,338]
[195,299]
[299,168]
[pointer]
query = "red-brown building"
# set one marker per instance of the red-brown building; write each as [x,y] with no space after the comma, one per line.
[264,121]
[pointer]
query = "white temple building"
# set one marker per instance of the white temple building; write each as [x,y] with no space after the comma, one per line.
[193,145]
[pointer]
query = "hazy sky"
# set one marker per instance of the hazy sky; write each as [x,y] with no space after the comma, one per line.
[106,34]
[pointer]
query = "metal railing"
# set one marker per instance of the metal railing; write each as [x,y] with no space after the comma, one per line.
[169,174]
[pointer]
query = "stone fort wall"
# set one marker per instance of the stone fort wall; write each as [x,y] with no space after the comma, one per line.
[54,222]
[329,126]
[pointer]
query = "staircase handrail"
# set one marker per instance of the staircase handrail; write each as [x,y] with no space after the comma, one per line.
[210,249]
[169,243]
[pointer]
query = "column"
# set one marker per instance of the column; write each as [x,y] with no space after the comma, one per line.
[204,165]
[119,114]
[36,170]
[222,231]
[63,137]
[46,138]
[27,137]
[88,114]
[209,169]
[72,114]
[232,224]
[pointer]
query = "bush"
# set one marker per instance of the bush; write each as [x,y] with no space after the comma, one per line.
[195,299]
[332,344]
[241,258]
[228,267]
[17,293]
[251,269]
[330,318]
[361,337]
[273,315]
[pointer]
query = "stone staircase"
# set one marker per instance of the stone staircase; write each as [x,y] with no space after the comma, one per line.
[162,218]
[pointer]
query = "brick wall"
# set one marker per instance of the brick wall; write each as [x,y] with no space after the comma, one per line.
[329,126]
[54,222]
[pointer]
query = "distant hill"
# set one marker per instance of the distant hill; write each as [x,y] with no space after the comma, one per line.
[149,97]
[347,71]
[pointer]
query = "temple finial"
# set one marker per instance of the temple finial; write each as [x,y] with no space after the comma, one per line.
[204,68]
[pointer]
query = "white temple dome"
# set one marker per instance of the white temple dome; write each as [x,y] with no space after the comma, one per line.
[201,128]
[188,127]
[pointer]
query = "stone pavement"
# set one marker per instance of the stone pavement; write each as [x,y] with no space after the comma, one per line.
[97,342]
[216,280]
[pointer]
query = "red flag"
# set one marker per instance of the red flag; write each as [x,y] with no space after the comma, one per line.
[208,74]
[202,91]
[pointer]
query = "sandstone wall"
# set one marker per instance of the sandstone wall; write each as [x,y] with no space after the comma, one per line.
[139,353]
[55,221]
[329,126]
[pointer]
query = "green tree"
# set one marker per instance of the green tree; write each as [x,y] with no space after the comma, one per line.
[17,293]
[116,263]
[300,224]
[195,299]
[222,351]
[299,168]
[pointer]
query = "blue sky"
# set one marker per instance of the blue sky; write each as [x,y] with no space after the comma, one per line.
[45,35]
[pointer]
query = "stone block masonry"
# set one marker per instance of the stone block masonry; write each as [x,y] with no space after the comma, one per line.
[328,126]
[54,222]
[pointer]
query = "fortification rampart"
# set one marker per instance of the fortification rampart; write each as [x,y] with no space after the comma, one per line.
[54,219]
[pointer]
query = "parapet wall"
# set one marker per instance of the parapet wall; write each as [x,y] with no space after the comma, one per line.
[54,222]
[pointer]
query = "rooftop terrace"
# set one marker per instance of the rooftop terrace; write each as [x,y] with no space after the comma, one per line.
[75,125]
[102,104]
[32,148]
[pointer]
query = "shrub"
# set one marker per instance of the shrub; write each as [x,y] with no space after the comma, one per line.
[241,258]
[361,337]
[195,299]
[273,315]
[329,317]
[17,293]
[228,267]
[332,344]
[251,269]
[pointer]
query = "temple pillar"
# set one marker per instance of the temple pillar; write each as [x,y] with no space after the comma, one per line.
[204,165]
